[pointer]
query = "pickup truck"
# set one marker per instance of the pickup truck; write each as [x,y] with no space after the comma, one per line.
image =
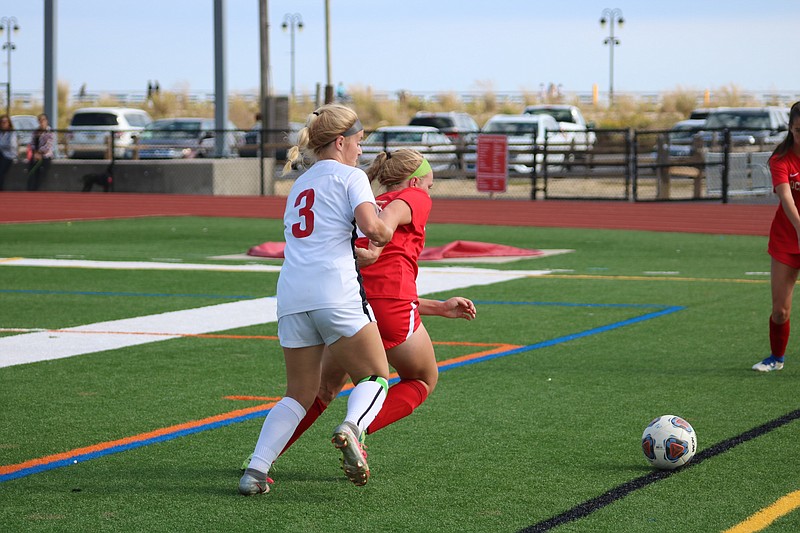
[571,121]
[761,126]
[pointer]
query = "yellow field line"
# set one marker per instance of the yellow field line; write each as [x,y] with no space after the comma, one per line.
[763,518]
[652,278]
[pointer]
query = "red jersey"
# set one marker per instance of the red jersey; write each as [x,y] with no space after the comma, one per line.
[782,235]
[394,274]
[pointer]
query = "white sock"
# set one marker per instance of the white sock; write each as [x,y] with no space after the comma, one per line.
[278,428]
[364,403]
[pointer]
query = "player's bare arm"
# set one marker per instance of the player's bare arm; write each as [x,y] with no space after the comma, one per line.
[375,229]
[455,307]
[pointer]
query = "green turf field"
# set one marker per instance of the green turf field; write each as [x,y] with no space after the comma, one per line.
[543,432]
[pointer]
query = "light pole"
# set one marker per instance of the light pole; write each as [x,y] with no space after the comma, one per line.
[8,24]
[611,16]
[292,21]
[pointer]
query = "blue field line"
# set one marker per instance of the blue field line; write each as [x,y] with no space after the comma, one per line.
[567,338]
[132,445]
[143,294]
[663,310]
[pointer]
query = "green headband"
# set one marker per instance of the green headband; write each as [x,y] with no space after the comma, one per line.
[423,169]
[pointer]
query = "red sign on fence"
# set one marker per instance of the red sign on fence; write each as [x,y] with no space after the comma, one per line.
[491,172]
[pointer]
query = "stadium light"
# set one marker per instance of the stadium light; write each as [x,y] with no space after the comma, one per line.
[8,24]
[611,16]
[292,21]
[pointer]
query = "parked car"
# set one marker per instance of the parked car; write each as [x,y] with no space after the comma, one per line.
[437,148]
[460,127]
[701,113]
[89,130]
[179,138]
[525,133]
[24,125]
[681,137]
[249,147]
[571,121]
[748,125]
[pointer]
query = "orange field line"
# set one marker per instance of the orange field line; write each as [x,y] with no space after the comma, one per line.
[204,335]
[254,398]
[271,401]
[7,469]
[498,348]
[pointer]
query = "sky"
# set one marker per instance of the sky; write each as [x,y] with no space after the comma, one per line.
[421,46]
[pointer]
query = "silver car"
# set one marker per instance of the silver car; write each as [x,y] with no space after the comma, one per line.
[184,138]
[437,148]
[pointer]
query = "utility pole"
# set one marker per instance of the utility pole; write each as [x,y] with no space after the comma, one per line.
[220,80]
[50,79]
[266,102]
[328,83]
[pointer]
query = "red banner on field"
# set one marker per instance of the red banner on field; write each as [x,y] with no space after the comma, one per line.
[491,171]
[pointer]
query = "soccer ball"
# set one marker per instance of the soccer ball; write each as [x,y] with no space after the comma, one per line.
[668,442]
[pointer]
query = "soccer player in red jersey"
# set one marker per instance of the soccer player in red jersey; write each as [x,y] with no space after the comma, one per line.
[784,235]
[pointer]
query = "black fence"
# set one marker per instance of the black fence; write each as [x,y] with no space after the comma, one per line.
[599,164]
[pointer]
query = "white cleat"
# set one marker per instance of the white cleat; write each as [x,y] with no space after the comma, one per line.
[768,365]
[354,458]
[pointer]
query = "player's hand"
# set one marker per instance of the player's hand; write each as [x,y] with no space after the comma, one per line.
[458,307]
[367,256]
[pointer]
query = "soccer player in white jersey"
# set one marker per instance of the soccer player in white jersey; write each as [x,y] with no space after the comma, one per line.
[320,298]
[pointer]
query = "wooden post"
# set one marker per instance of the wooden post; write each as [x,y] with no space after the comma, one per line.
[662,170]
[699,155]
[110,145]
[135,154]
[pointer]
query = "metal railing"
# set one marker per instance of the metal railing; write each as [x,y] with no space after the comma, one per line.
[618,164]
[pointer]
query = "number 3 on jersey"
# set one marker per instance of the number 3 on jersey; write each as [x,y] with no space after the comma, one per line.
[306,226]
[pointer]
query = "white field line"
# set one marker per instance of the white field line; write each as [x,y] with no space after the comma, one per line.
[116,334]
[131,265]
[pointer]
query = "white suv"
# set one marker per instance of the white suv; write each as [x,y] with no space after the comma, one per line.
[89,131]
[525,134]
[571,121]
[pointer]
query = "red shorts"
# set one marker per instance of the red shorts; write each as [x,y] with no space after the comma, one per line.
[789,259]
[397,319]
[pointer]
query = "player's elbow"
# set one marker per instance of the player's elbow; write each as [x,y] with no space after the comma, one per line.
[378,232]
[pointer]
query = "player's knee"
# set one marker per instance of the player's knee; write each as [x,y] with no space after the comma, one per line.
[430,381]
[327,393]
[781,314]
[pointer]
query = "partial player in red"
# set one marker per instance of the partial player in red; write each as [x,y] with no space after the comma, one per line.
[784,236]
[389,275]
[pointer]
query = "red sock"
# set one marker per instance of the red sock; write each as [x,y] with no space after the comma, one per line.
[401,400]
[312,414]
[778,337]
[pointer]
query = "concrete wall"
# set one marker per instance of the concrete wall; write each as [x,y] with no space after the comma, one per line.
[240,177]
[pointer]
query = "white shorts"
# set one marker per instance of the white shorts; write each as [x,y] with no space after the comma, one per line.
[321,326]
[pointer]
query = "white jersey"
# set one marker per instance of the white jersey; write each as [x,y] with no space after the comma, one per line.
[319,270]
